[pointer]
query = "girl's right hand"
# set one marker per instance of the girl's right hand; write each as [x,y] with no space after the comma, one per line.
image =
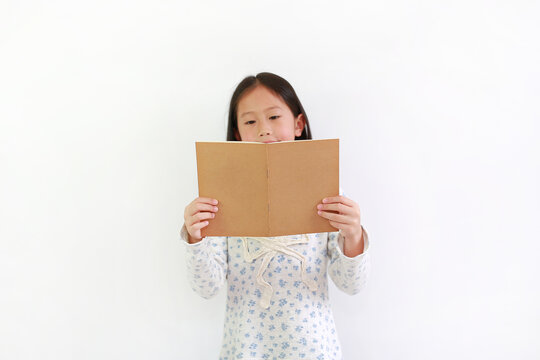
[196,216]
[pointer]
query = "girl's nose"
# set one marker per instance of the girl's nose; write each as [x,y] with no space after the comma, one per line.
[264,130]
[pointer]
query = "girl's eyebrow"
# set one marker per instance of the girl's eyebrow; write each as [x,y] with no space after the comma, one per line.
[270,108]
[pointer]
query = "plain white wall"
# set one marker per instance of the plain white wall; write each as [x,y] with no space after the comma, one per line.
[436,106]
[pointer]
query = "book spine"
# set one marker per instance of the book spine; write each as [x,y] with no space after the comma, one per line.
[268,191]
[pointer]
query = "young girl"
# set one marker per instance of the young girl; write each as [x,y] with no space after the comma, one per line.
[277,288]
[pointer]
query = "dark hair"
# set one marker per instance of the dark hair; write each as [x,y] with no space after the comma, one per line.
[276,84]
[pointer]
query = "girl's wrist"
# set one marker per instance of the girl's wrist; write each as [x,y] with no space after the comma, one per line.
[190,239]
[355,236]
[354,244]
[193,240]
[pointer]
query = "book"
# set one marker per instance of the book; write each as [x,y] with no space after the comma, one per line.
[267,190]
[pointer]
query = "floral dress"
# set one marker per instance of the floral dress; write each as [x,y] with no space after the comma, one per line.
[277,291]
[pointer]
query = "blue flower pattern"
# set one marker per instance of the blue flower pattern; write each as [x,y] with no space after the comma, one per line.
[299,323]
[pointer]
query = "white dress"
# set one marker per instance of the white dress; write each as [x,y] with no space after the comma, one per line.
[277,291]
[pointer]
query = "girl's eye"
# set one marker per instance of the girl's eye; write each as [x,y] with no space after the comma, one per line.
[274,117]
[250,122]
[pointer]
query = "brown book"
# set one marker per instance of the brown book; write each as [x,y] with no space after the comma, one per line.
[268,189]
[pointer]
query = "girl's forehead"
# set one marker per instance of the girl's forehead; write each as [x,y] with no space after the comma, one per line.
[259,99]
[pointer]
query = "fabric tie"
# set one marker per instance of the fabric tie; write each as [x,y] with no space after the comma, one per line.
[269,248]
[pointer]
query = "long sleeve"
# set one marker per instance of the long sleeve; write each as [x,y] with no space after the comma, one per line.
[349,274]
[206,263]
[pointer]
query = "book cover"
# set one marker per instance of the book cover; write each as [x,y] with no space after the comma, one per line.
[268,189]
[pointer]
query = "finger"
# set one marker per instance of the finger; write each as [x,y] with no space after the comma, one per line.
[334,217]
[205,207]
[206,200]
[337,225]
[204,215]
[196,204]
[338,199]
[196,207]
[200,216]
[339,207]
[199,225]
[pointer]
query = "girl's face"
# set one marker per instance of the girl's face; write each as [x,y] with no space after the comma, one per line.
[264,117]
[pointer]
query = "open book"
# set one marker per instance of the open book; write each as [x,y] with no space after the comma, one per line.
[268,189]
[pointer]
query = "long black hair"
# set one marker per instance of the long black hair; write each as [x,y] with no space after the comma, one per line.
[276,84]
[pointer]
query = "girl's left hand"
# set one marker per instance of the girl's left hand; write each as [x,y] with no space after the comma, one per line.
[347,218]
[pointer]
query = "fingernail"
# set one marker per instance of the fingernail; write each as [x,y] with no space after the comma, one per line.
[319,212]
[215,208]
[214,202]
[323,200]
[319,206]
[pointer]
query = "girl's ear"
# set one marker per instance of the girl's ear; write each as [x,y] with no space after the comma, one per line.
[299,124]
[237,135]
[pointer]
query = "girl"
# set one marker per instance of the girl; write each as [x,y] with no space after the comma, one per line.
[277,288]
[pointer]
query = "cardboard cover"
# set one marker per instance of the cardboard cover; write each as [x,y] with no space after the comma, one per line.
[268,189]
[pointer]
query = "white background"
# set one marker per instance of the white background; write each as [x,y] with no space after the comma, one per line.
[436,104]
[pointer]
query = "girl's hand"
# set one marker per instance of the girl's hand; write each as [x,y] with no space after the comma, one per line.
[347,219]
[196,216]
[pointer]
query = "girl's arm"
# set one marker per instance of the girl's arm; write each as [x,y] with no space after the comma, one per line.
[348,249]
[206,262]
[350,274]
[354,246]
[344,214]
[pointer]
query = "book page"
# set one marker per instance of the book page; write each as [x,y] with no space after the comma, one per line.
[235,174]
[301,174]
